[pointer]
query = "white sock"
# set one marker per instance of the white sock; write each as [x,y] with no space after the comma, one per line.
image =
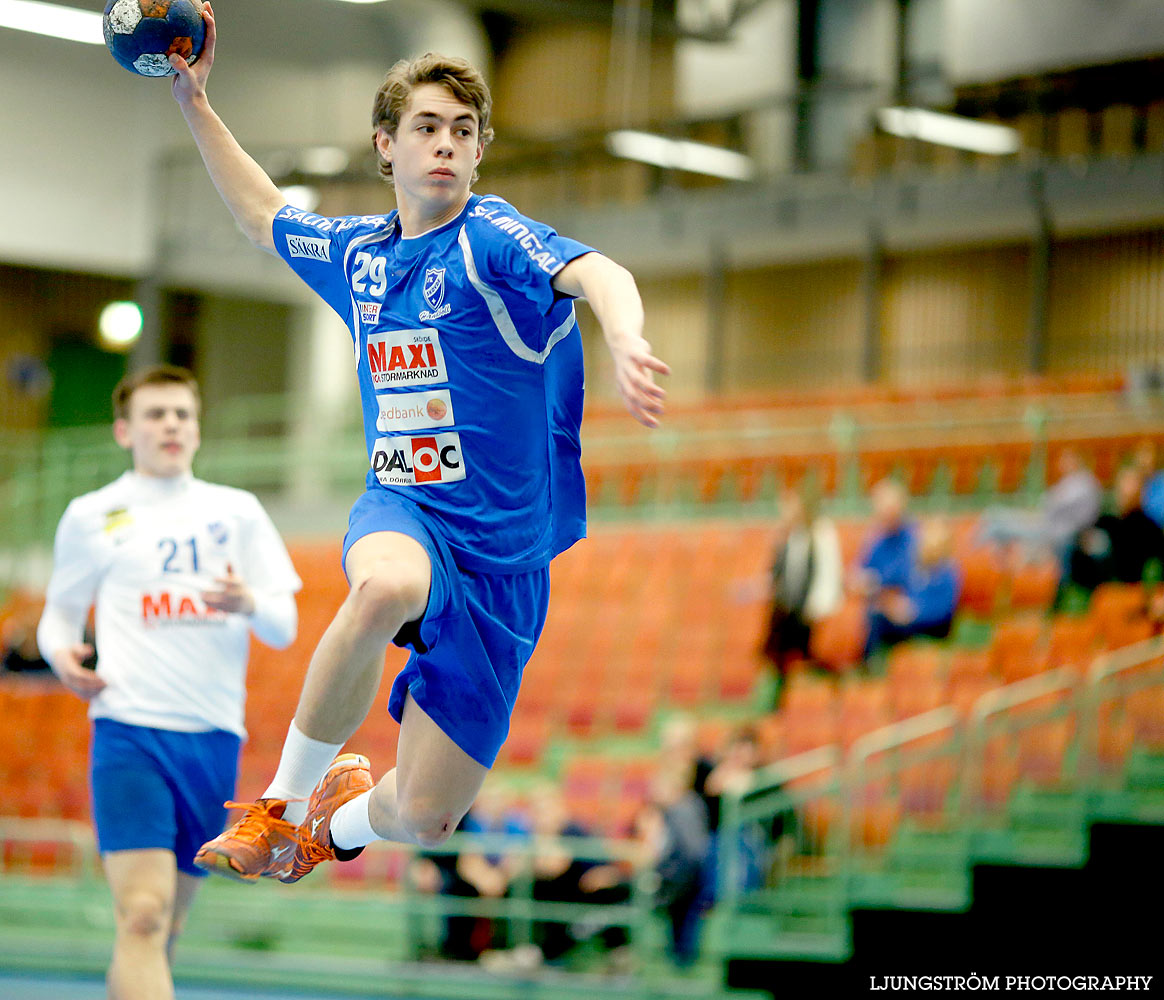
[303,762]
[351,826]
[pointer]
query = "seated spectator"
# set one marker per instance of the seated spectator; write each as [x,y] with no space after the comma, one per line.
[561,877]
[889,554]
[1070,505]
[1120,545]
[734,774]
[673,829]
[925,606]
[1152,495]
[805,579]
[680,754]
[19,653]
[473,876]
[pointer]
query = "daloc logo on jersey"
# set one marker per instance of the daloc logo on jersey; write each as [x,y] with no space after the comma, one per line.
[413,461]
[434,295]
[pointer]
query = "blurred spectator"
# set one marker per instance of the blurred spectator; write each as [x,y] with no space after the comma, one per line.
[561,877]
[473,875]
[926,605]
[680,754]
[1068,507]
[1120,545]
[1152,495]
[19,653]
[889,553]
[885,568]
[673,830]
[805,578]
[734,775]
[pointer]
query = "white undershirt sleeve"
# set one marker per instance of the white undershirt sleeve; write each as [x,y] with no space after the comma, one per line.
[60,627]
[275,620]
[72,587]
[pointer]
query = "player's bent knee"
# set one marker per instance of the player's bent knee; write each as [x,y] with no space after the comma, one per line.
[385,595]
[144,914]
[427,825]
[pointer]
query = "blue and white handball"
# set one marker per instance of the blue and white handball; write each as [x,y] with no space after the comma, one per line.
[142,34]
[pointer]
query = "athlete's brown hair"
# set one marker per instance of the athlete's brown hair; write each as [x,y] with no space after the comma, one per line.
[153,375]
[463,80]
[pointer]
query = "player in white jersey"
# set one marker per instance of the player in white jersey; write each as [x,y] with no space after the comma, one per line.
[180,572]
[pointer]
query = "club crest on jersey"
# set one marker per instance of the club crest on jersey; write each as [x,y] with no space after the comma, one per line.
[218,532]
[117,519]
[434,295]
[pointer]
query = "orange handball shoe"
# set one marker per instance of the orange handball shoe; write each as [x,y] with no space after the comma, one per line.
[350,775]
[261,843]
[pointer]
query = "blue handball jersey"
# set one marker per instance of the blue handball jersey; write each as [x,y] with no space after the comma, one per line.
[470,370]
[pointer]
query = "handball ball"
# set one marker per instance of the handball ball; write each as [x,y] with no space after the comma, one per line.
[141,34]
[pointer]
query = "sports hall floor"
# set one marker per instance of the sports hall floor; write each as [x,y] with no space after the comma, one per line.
[39,988]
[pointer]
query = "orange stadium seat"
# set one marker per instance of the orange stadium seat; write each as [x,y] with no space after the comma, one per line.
[1033,586]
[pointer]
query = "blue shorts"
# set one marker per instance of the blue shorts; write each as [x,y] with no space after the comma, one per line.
[477,633]
[158,788]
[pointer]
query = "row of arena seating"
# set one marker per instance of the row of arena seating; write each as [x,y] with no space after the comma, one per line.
[642,619]
[976,468]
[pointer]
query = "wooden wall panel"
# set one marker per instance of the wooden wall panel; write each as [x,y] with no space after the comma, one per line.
[676,328]
[1107,303]
[792,327]
[536,91]
[953,315]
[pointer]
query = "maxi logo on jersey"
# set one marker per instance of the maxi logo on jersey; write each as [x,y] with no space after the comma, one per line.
[414,411]
[415,461]
[406,357]
[168,609]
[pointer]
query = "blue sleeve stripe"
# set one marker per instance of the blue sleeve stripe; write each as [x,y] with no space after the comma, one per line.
[501,318]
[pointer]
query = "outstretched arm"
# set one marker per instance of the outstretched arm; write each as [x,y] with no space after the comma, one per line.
[613,296]
[251,196]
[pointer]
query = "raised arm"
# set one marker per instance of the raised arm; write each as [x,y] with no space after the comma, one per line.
[251,196]
[612,294]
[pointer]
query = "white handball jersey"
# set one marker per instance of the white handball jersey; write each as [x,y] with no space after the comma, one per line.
[143,550]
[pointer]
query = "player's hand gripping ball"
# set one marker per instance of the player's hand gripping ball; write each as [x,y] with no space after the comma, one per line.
[142,34]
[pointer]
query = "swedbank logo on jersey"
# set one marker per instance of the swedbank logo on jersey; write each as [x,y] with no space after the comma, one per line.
[415,461]
[406,357]
[414,411]
[311,247]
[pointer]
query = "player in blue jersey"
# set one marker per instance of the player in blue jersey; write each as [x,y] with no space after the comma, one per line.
[469,361]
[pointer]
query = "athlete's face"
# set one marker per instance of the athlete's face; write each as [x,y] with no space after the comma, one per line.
[435,150]
[161,430]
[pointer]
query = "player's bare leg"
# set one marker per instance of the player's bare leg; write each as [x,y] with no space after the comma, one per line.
[184,892]
[390,576]
[420,801]
[144,886]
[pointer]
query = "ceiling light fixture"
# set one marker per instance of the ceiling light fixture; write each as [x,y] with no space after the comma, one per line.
[681,154]
[69,23]
[949,130]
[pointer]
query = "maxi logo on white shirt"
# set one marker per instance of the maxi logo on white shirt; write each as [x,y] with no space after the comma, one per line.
[415,461]
[406,357]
